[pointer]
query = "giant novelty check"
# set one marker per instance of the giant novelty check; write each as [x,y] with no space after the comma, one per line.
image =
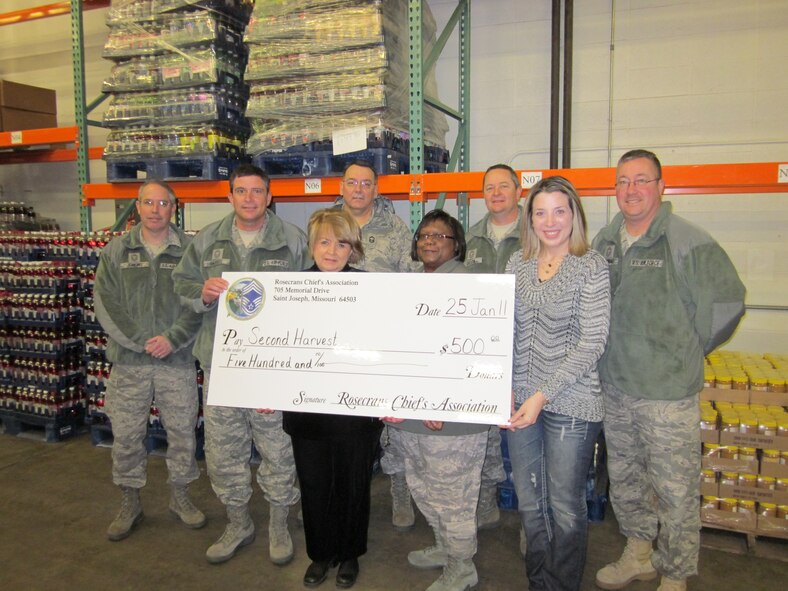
[408,345]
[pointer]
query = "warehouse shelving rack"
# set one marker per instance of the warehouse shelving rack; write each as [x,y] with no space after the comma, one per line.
[55,138]
[210,190]
[764,177]
[710,179]
[42,145]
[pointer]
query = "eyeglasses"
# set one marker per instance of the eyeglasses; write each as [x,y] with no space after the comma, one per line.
[159,202]
[242,191]
[425,237]
[639,183]
[353,183]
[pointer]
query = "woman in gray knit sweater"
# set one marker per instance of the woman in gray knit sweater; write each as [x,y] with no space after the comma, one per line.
[562,312]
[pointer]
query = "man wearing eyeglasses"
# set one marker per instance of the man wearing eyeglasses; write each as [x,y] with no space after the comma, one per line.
[676,297]
[150,336]
[387,242]
[386,236]
[251,238]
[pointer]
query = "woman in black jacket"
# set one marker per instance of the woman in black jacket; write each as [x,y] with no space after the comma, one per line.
[334,453]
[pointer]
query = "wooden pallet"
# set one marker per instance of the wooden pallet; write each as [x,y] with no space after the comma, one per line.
[744,542]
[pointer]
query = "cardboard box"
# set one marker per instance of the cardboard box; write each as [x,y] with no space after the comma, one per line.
[776,398]
[709,436]
[762,495]
[27,98]
[774,470]
[773,526]
[726,395]
[726,519]
[17,119]
[26,107]
[719,464]
[709,489]
[745,396]
[757,441]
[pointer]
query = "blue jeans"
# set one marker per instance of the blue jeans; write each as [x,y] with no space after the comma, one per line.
[550,461]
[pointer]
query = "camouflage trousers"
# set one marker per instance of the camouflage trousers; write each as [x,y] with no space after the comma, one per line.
[653,449]
[130,390]
[229,434]
[444,474]
[492,470]
[393,462]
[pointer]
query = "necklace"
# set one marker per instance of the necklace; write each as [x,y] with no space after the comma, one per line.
[546,269]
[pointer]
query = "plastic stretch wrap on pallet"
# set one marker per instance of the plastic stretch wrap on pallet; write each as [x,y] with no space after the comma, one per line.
[208,64]
[327,30]
[170,32]
[177,88]
[318,67]
[162,142]
[184,106]
[126,11]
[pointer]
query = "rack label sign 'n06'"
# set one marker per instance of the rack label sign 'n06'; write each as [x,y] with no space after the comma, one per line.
[782,173]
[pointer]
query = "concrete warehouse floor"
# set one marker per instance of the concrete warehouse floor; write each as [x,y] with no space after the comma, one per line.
[57,499]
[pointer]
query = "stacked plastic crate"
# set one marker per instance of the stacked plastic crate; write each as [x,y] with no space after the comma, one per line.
[318,67]
[177,93]
[41,376]
[98,368]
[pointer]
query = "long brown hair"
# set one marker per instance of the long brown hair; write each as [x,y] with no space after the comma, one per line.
[578,242]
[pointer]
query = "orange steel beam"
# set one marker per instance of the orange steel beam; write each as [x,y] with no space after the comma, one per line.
[187,191]
[36,137]
[30,146]
[46,11]
[44,156]
[759,177]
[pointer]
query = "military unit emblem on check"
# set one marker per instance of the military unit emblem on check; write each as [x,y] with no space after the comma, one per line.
[245,299]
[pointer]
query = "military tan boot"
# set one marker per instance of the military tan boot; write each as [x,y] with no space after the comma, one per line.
[238,533]
[458,575]
[402,516]
[280,544]
[634,565]
[672,584]
[183,509]
[434,556]
[130,514]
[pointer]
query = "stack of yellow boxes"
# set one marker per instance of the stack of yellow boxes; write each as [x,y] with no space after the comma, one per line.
[744,434]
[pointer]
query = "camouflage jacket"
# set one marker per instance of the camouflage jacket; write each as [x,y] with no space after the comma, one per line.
[213,251]
[676,296]
[482,255]
[387,240]
[134,300]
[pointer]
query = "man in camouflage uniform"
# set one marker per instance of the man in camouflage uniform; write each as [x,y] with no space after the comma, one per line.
[491,242]
[387,242]
[250,239]
[386,237]
[676,297]
[150,335]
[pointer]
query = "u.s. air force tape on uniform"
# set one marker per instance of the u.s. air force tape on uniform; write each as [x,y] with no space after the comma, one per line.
[419,346]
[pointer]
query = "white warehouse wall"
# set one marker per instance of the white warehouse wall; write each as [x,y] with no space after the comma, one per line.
[697,81]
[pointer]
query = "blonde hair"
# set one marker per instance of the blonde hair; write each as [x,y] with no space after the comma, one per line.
[578,243]
[342,226]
